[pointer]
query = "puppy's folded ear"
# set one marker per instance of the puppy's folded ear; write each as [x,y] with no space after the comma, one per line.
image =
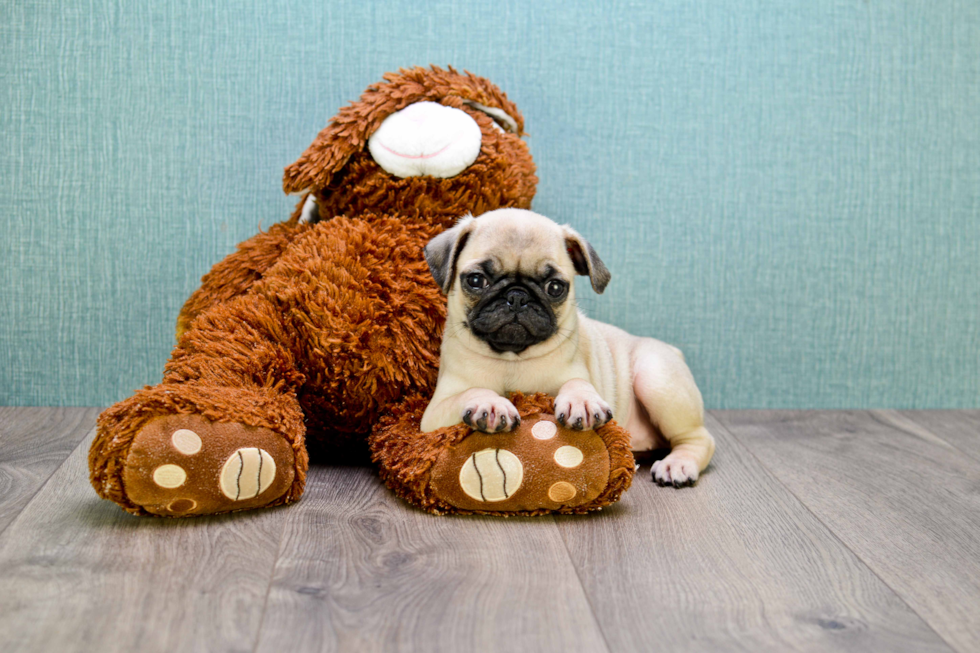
[585,259]
[443,251]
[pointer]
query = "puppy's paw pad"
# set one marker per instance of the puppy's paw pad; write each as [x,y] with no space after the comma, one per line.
[491,415]
[582,411]
[678,471]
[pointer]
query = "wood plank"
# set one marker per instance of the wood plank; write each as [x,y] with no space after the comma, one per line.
[734,563]
[960,428]
[79,574]
[33,444]
[906,504]
[362,571]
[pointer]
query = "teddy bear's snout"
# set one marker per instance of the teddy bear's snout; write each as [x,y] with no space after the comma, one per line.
[426,138]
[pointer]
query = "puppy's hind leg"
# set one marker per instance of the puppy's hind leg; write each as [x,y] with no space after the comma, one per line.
[664,385]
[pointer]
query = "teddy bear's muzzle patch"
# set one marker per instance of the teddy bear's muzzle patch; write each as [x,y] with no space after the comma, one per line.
[426,138]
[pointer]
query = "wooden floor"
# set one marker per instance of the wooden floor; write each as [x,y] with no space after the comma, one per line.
[856,531]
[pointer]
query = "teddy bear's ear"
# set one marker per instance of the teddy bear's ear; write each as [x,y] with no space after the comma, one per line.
[349,131]
[443,251]
[331,150]
[586,260]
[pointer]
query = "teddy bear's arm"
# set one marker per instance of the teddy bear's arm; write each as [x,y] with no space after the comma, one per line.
[237,272]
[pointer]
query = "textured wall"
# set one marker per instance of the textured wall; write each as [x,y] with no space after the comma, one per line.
[788,191]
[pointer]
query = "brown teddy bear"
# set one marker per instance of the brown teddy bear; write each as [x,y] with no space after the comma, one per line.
[310,331]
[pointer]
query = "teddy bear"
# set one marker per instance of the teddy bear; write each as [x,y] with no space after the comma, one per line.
[327,325]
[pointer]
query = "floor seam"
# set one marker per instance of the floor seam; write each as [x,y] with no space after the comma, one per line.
[578,576]
[85,441]
[832,532]
[268,589]
[952,445]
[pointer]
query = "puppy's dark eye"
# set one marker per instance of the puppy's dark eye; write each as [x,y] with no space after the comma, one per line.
[555,288]
[476,281]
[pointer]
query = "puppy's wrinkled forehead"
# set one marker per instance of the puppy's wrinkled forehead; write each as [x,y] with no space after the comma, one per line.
[517,241]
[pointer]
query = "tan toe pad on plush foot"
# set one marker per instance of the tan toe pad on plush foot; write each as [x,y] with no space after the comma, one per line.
[541,465]
[185,465]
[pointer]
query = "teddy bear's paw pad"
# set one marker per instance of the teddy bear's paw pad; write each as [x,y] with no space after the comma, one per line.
[186,465]
[540,466]
[491,475]
[247,473]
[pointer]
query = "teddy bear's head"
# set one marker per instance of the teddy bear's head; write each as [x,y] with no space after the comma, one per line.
[425,143]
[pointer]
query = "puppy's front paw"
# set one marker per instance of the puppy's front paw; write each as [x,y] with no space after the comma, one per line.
[491,414]
[676,469]
[582,410]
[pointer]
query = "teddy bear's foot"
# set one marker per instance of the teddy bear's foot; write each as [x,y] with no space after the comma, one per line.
[539,466]
[181,465]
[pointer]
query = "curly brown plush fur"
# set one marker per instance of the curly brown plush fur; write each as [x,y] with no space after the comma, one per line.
[339,172]
[311,330]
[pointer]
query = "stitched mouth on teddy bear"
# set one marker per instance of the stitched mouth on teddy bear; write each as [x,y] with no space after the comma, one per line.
[512,321]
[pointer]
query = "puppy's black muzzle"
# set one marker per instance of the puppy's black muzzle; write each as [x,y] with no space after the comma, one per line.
[512,320]
[517,299]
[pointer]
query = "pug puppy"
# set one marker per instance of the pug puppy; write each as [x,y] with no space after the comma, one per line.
[513,324]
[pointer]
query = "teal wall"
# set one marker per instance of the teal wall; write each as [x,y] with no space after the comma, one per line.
[789,191]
